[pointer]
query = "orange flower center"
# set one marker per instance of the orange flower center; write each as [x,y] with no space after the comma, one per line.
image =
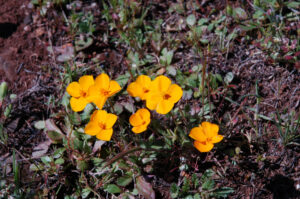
[145,90]
[166,96]
[83,93]
[102,126]
[104,92]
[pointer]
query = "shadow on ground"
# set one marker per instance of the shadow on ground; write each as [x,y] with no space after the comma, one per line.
[7,29]
[282,187]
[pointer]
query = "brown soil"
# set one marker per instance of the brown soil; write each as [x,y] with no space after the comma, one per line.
[22,48]
[22,56]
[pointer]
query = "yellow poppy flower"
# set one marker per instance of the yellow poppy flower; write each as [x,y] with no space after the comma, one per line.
[164,95]
[205,136]
[140,88]
[101,124]
[79,92]
[140,120]
[103,89]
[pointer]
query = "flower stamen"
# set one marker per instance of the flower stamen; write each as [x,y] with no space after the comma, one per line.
[102,126]
[166,96]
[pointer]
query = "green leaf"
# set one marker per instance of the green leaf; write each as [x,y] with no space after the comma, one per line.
[171,70]
[191,20]
[35,2]
[81,44]
[240,13]
[55,137]
[207,174]
[248,27]
[85,193]
[16,170]
[129,107]
[34,167]
[59,161]
[174,189]
[228,77]
[7,111]
[3,90]
[59,152]
[65,100]
[124,180]
[202,21]
[123,79]
[208,184]
[75,118]
[118,108]
[293,4]
[82,165]
[197,196]
[223,192]
[166,57]
[46,159]
[112,188]
[87,112]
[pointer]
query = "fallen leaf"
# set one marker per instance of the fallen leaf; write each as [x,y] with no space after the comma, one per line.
[144,188]
[66,52]
[98,145]
[41,149]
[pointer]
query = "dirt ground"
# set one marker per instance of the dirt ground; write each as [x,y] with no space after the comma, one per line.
[29,69]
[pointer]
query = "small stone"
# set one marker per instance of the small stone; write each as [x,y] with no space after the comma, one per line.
[27,28]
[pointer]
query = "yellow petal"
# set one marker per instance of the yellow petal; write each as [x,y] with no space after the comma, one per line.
[110,120]
[92,128]
[175,92]
[217,139]
[105,134]
[164,107]
[144,114]
[102,116]
[144,81]
[211,130]
[99,101]
[135,120]
[86,81]
[78,104]
[114,87]
[153,100]
[145,94]
[139,129]
[102,81]
[94,92]
[135,90]
[203,147]
[197,133]
[74,89]
[94,116]
[161,83]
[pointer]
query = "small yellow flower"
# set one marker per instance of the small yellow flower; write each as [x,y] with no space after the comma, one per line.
[140,88]
[79,92]
[163,95]
[205,136]
[140,120]
[103,89]
[101,124]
